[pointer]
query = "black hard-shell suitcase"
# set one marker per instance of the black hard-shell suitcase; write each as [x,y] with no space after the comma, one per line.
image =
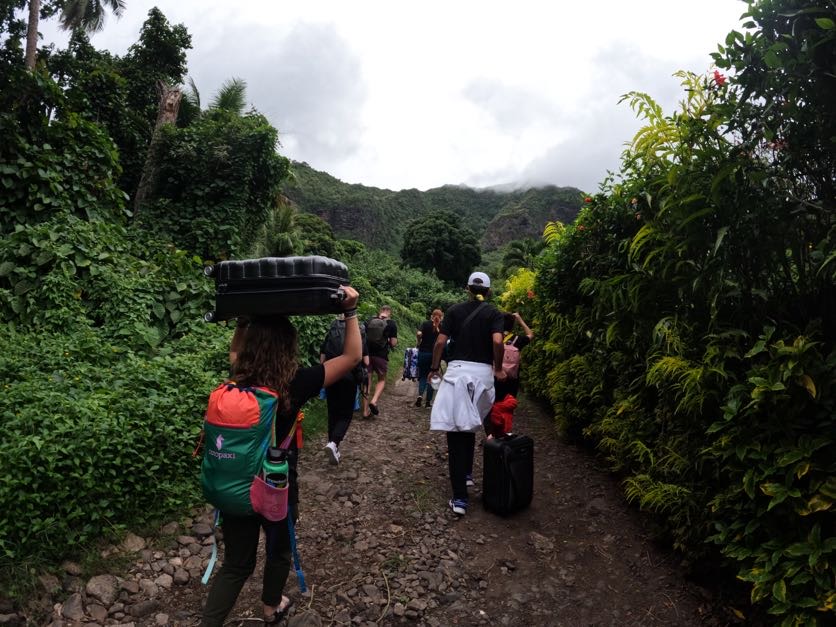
[277,286]
[508,474]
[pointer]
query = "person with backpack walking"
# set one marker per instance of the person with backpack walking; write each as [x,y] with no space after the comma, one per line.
[381,337]
[427,335]
[268,388]
[340,396]
[513,345]
[466,394]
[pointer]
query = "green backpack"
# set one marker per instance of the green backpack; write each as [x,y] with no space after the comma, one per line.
[238,430]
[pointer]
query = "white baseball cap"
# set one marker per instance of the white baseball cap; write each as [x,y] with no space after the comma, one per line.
[479,278]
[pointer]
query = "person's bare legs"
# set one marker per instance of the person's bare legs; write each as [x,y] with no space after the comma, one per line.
[378,389]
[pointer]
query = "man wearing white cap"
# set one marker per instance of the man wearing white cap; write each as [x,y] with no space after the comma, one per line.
[466,393]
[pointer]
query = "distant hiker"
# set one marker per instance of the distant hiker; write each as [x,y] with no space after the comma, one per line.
[265,365]
[341,395]
[512,346]
[381,337]
[467,393]
[427,335]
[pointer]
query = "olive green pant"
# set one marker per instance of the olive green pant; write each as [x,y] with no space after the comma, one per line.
[241,535]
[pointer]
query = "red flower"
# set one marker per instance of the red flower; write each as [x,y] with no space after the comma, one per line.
[581,227]
[530,294]
[719,78]
[588,199]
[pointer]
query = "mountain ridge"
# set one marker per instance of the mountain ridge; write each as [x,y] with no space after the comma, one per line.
[379,217]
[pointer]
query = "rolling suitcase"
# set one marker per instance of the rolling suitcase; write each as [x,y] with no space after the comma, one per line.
[276,286]
[508,474]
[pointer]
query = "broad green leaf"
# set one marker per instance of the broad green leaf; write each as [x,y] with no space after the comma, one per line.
[6,267]
[826,23]
[819,503]
[779,591]
[808,384]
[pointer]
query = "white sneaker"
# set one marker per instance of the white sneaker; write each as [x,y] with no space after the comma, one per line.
[333,453]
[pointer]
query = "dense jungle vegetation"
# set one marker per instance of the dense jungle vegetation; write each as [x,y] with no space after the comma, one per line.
[104,360]
[687,318]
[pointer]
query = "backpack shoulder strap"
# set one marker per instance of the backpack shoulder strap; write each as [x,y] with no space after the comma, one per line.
[472,315]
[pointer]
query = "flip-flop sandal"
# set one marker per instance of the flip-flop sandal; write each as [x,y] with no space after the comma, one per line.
[374,409]
[280,613]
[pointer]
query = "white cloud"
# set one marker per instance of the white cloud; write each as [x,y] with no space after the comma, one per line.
[418,95]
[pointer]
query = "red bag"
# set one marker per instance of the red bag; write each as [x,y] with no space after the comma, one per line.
[501,420]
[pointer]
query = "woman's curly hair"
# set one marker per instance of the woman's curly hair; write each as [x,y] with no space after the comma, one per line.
[268,356]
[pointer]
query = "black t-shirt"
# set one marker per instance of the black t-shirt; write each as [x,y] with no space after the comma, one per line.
[390,331]
[475,341]
[305,385]
[428,337]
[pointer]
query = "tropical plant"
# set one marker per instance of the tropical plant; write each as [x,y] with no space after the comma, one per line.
[89,15]
[231,96]
[440,243]
[521,254]
[685,318]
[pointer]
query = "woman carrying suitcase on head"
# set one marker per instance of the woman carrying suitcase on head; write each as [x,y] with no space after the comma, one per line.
[264,356]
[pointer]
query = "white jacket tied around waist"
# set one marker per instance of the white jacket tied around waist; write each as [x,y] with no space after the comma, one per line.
[464,398]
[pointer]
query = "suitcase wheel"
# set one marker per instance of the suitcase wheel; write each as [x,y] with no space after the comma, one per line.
[210,272]
[209,316]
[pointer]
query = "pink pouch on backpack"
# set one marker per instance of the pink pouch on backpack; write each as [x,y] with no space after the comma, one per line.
[267,500]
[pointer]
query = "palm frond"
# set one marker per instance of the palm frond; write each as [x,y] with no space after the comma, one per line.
[231,96]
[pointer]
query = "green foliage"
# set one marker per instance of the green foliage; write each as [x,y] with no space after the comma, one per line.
[440,243]
[217,180]
[231,97]
[70,274]
[520,254]
[382,280]
[89,14]
[685,319]
[519,293]
[98,438]
[48,167]
[278,235]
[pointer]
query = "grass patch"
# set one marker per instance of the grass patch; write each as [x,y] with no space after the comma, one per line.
[422,496]
[316,417]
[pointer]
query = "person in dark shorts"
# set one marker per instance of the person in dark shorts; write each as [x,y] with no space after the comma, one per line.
[466,394]
[427,335]
[381,337]
[341,395]
[264,355]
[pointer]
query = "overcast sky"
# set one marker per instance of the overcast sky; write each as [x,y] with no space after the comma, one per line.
[420,94]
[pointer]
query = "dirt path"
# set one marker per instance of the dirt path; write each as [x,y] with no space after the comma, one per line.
[379,545]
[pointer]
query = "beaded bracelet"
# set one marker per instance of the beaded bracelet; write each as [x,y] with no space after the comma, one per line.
[350,313]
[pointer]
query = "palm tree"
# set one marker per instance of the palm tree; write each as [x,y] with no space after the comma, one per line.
[231,96]
[521,254]
[278,236]
[89,14]
[86,14]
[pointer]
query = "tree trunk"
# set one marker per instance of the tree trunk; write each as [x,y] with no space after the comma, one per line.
[32,33]
[169,107]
